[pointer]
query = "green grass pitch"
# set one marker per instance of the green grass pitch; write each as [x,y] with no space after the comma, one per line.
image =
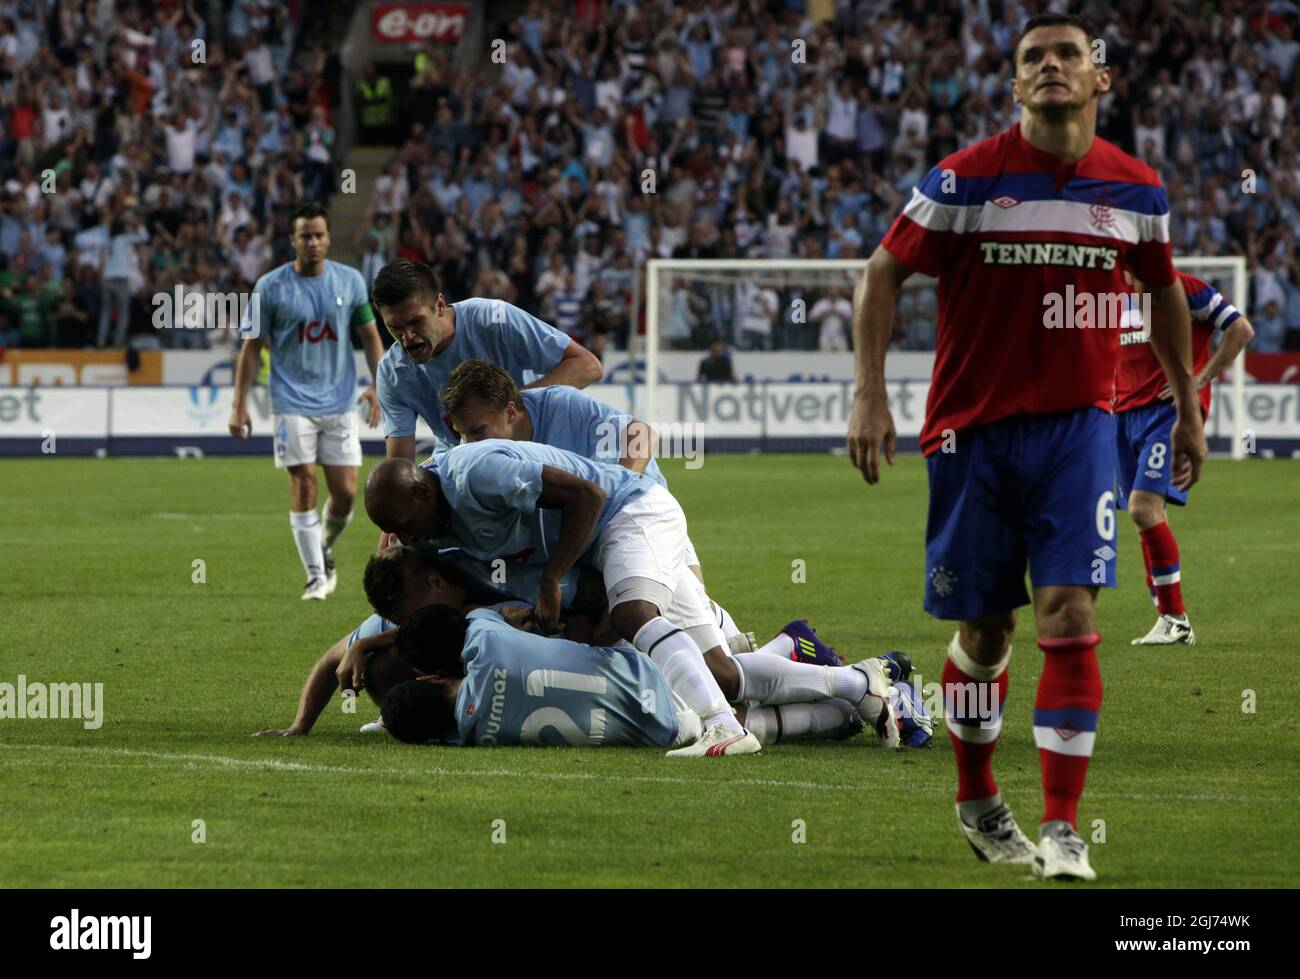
[96,565]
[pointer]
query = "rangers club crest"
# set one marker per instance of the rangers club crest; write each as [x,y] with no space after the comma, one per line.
[942,580]
[1103,217]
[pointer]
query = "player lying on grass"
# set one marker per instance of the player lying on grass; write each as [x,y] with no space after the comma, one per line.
[1144,418]
[484,681]
[483,402]
[499,499]
[401,581]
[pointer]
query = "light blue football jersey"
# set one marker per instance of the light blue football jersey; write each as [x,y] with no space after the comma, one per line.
[524,689]
[370,628]
[492,488]
[512,581]
[487,329]
[573,420]
[307,323]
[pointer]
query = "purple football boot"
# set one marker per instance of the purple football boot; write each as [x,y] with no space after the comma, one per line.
[808,648]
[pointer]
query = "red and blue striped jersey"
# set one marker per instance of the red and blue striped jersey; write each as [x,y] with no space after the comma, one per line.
[1139,376]
[1010,231]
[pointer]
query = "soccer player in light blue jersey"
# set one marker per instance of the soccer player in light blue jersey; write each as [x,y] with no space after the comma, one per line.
[487,683]
[498,499]
[433,336]
[482,402]
[398,582]
[302,312]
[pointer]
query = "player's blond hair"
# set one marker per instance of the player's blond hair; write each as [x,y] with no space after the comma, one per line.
[478,381]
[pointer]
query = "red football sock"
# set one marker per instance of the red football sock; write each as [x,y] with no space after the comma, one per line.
[974,718]
[1161,552]
[1146,560]
[1065,721]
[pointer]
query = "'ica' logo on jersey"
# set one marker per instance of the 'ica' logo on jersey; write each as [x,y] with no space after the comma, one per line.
[316,331]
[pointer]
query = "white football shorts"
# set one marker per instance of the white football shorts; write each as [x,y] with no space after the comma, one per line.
[641,554]
[331,440]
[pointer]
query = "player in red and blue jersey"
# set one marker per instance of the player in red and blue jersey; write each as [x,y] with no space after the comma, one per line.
[1143,418]
[1028,233]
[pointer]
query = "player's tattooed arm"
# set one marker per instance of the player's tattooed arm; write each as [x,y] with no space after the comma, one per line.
[316,693]
[871,425]
[580,502]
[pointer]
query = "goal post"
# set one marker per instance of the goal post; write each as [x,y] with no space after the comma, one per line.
[689,300]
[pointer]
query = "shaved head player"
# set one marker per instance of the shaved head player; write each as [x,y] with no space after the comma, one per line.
[1018,434]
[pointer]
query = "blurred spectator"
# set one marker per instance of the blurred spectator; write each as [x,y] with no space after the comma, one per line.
[121,274]
[831,315]
[717,365]
[376,106]
[1270,329]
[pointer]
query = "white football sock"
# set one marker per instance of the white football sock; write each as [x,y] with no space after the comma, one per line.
[725,622]
[781,646]
[680,661]
[334,525]
[774,680]
[791,722]
[306,534]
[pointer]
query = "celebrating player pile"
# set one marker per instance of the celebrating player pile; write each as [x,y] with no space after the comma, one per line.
[1022,414]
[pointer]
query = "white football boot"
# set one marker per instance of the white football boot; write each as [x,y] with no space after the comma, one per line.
[331,575]
[1062,854]
[996,838]
[317,588]
[745,642]
[374,727]
[717,741]
[877,708]
[1169,630]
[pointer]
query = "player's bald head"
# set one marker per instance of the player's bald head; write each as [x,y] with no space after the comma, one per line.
[388,481]
[401,498]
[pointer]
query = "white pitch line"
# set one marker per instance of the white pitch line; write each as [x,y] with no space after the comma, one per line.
[271,764]
[274,765]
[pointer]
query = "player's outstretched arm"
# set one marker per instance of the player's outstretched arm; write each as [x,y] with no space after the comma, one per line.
[316,693]
[250,356]
[871,426]
[577,368]
[579,502]
[1171,341]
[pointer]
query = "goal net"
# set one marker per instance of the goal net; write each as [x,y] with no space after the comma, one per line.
[784,327]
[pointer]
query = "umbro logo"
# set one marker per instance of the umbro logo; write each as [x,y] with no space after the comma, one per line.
[1105,552]
[1065,733]
[1005,201]
[1154,473]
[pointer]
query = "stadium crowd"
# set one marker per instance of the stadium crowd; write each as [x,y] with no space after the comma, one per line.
[770,129]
